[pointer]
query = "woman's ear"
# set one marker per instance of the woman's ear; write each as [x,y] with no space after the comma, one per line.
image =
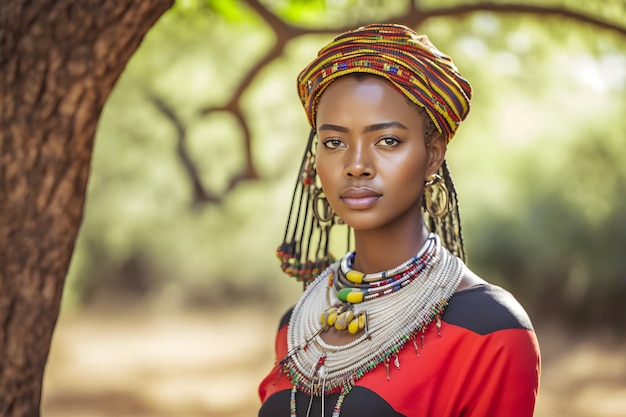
[436,149]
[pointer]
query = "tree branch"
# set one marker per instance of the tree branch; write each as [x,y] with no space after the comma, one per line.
[283,30]
[414,16]
[516,8]
[201,195]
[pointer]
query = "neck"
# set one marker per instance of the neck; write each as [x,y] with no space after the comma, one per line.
[382,249]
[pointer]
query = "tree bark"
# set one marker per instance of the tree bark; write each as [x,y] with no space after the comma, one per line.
[59,60]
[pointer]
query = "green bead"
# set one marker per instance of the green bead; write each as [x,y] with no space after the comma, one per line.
[350,295]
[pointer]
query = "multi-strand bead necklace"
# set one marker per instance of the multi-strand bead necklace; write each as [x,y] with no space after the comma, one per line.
[389,308]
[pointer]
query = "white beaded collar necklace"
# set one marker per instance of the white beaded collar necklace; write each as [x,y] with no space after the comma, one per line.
[391,318]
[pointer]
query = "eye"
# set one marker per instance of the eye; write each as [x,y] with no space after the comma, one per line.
[333,143]
[388,141]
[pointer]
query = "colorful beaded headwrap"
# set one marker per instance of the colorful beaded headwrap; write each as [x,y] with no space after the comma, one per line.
[410,62]
[420,72]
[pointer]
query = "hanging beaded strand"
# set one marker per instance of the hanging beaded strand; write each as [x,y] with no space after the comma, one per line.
[305,236]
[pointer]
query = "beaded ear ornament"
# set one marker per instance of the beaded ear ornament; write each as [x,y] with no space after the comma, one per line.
[304,252]
[440,207]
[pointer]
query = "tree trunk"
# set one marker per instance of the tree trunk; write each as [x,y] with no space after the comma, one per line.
[59,60]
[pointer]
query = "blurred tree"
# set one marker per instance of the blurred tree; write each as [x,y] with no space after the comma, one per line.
[59,61]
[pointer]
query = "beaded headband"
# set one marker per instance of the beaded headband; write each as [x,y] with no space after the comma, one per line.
[410,62]
[419,71]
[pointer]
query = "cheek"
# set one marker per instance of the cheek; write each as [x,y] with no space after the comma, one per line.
[408,177]
[324,172]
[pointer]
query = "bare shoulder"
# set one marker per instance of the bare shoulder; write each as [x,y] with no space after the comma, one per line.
[469,280]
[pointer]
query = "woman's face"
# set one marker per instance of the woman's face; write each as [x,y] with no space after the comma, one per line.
[372,158]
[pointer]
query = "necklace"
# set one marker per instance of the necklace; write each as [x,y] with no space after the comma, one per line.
[397,306]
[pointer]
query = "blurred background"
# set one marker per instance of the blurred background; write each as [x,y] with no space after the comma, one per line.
[174,292]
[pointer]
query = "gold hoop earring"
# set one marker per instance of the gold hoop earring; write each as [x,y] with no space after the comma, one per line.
[432,180]
[437,196]
[325,213]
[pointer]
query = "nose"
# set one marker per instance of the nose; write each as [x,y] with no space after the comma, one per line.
[358,162]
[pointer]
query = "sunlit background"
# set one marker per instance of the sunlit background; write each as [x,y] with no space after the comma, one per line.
[174,292]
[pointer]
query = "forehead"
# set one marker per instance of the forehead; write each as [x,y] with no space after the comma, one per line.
[365,97]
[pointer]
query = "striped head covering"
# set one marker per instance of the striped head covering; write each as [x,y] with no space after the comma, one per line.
[410,62]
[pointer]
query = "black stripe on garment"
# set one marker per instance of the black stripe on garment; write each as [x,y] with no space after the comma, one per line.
[485,309]
[360,402]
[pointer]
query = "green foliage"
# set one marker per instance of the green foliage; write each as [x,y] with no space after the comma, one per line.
[229,10]
[331,13]
[555,257]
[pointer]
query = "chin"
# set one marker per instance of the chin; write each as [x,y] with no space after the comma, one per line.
[362,223]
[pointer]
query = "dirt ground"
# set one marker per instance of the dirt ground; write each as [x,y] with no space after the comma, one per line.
[209,363]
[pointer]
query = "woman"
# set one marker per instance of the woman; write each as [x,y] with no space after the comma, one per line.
[400,326]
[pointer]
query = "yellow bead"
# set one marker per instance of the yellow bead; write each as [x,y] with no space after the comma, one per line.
[332,317]
[343,320]
[361,321]
[353,327]
[326,314]
[354,297]
[355,276]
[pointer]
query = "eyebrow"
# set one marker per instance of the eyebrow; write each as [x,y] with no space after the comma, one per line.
[370,128]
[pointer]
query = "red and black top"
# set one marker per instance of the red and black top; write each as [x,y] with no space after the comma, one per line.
[485,363]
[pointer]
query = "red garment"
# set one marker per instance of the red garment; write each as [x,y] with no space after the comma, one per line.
[485,363]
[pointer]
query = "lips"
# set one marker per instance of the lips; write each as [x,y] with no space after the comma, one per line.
[360,198]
